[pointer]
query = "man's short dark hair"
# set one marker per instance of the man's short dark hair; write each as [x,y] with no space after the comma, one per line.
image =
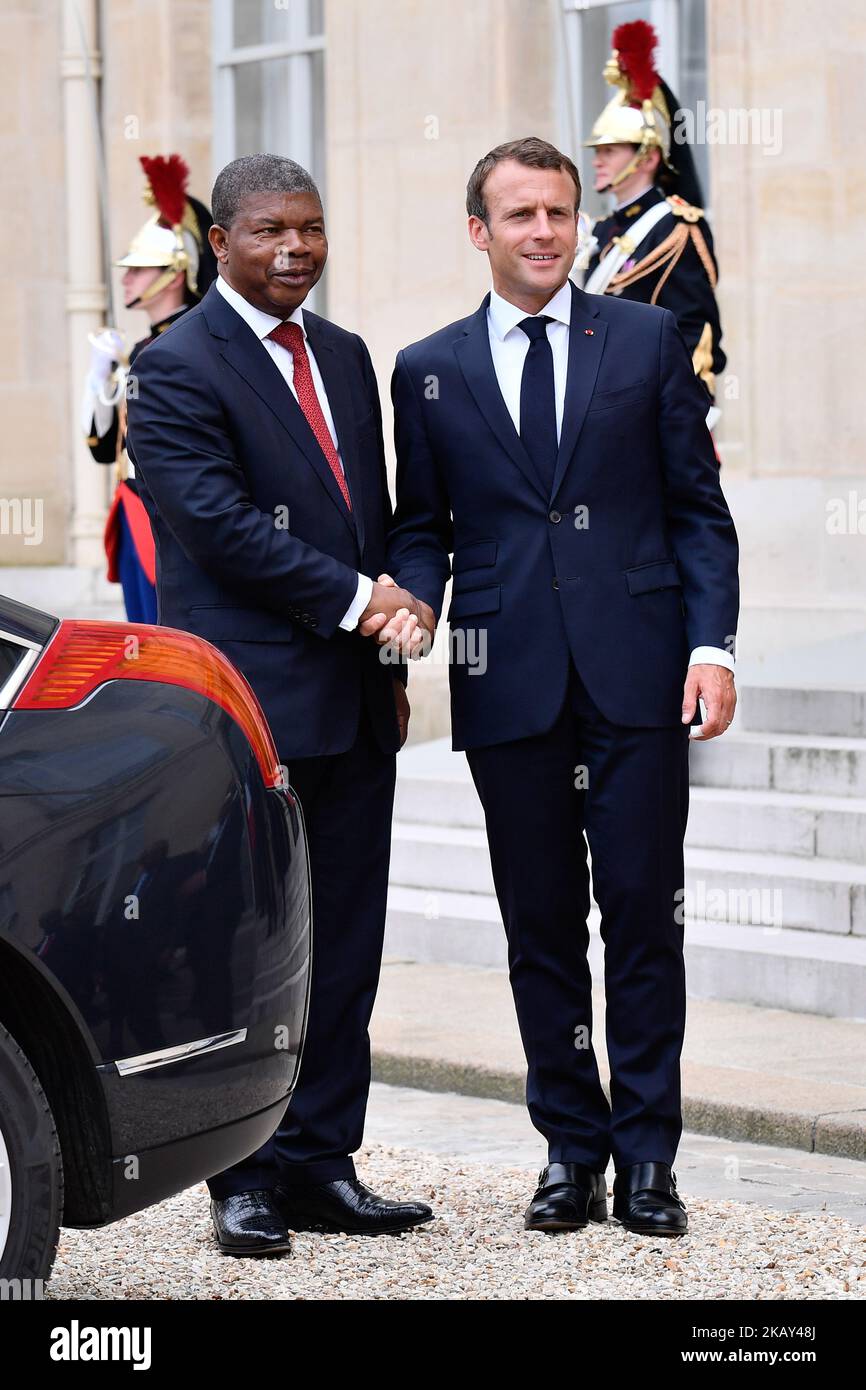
[531,151]
[256,173]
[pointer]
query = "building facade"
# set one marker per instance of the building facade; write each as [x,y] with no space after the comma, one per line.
[390,103]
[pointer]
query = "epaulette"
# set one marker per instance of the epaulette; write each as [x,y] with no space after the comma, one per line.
[680,208]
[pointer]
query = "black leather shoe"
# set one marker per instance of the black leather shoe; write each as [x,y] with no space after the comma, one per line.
[249,1223]
[347,1205]
[645,1200]
[567,1198]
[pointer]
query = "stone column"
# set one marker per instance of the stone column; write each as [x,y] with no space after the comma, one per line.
[85,292]
[789,217]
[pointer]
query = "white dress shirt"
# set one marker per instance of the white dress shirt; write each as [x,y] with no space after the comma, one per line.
[262,324]
[509,346]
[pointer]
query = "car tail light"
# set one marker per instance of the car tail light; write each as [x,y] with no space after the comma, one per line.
[82,656]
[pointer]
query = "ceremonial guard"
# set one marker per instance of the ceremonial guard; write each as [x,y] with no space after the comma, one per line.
[656,245]
[167,269]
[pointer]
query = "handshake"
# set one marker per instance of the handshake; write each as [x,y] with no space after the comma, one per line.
[397,619]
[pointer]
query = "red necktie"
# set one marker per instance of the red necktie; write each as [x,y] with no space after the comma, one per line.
[291,336]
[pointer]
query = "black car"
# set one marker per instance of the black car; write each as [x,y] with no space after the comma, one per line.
[154,924]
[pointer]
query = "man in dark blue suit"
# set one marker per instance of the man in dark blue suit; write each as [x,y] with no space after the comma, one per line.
[256,428]
[554,443]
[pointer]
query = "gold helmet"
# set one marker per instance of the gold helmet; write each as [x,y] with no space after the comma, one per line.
[639,114]
[174,237]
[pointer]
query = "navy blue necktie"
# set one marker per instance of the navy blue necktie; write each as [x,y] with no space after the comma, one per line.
[538,401]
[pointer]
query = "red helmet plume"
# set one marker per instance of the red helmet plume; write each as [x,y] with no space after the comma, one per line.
[635,44]
[168,180]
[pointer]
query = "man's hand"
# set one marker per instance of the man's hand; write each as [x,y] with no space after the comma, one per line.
[715,685]
[401,700]
[394,616]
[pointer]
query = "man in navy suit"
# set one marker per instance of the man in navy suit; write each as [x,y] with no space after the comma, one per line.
[256,428]
[554,443]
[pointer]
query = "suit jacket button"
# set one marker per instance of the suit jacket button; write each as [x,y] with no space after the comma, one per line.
[555,517]
[556,583]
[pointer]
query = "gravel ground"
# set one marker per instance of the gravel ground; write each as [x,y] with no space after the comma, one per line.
[476,1248]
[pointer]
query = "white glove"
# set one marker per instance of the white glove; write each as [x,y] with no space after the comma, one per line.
[97,407]
[106,348]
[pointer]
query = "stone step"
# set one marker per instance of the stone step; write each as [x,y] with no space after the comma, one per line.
[809,972]
[829,827]
[797,763]
[748,889]
[787,710]
[802,764]
[719,818]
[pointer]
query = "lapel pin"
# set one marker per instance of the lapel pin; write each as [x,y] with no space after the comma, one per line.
[589,332]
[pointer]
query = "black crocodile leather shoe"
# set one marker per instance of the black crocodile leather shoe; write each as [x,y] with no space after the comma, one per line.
[646,1201]
[249,1223]
[568,1196]
[347,1205]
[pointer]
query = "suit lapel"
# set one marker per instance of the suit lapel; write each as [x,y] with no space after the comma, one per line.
[246,355]
[476,364]
[586,337]
[340,401]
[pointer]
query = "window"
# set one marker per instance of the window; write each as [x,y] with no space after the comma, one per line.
[17,658]
[269,84]
[681,58]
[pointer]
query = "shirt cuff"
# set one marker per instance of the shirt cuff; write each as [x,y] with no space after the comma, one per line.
[713,656]
[363,594]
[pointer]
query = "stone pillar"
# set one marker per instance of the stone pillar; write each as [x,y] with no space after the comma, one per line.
[789,219]
[85,293]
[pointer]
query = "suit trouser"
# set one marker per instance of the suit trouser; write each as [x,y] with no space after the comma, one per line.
[347,801]
[625,791]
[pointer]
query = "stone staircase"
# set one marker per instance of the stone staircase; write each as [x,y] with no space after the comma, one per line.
[775,908]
